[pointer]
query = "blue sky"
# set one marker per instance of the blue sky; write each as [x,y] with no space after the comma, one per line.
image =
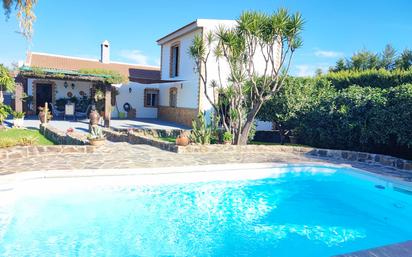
[77,27]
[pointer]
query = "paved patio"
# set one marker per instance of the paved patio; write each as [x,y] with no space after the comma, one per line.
[83,125]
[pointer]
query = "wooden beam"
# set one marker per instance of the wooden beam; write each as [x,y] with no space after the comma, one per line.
[18,100]
[107,105]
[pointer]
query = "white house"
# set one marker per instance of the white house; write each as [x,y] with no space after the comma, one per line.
[171,92]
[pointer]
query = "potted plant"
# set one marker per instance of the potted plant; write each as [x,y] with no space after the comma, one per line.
[183,139]
[227,138]
[18,119]
[96,137]
[43,117]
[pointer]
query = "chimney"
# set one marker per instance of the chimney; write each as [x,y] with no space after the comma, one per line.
[105,52]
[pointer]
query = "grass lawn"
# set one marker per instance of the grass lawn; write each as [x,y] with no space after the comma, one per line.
[168,139]
[12,137]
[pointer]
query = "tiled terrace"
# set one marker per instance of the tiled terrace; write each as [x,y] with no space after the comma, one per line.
[83,125]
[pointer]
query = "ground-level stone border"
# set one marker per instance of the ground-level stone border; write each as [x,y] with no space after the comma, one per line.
[373,159]
[61,138]
[133,137]
[33,151]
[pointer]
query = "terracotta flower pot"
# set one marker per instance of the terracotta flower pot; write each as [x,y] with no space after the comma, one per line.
[227,142]
[182,141]
[97,142]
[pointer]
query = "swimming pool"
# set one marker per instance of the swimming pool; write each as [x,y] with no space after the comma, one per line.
[276,210]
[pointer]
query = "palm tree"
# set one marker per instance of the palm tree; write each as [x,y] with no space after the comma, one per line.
[6,82]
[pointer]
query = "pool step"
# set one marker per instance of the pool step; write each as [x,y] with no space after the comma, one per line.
[395,250]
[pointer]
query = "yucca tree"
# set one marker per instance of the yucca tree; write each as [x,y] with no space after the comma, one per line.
[6,82]
[25,14]
[251,82]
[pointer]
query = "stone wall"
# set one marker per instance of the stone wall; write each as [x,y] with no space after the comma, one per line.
[61,138]
[340,155]
[38,151]
[153,132]
[133,137]
[177,114]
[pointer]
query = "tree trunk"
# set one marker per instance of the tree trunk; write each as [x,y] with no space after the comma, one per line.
[250,118]
[1,96]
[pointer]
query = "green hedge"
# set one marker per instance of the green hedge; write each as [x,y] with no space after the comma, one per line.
[362,119]
[370,119]
[369,78]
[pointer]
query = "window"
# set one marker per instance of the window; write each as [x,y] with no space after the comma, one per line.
[151,97]
[174,60]
[173,97]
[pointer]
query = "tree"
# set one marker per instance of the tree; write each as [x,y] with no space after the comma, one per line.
[363,60]
[248,86]
[388,58]
[404,61]
[340,65]
[6,82]
[296,98]
[25,14]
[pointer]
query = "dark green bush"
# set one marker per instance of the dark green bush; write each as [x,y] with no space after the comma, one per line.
[356,118]
[369,78]
[362,119]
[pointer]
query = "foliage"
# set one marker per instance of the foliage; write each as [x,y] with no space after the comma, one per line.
[168,139]
[18,115]
[96,133]
[25,14]
[257,36]
[373,78]
[404,61]
[201,132]
[366,60]
[112,77]
[6,81]
[5,110]
[227,137]
[298,97]
[13,137]
[356,118]
[61,102]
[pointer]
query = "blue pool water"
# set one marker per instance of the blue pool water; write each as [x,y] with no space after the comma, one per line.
[294,211]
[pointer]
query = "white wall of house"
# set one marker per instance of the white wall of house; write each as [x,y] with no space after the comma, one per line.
[135,98]
[189,95]
[188,88]
[61,91]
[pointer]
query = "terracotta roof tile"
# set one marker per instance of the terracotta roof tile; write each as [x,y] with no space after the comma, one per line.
[145,73]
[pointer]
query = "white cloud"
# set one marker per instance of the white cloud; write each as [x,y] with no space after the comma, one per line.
[304,70]
[307,70]
[135,56]
[328,54]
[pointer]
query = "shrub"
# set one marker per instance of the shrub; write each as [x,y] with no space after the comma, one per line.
[362,119]
[356,118]
[369,78]
[227,137]
[201,132]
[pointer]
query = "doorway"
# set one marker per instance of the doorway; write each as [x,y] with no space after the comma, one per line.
[43,95]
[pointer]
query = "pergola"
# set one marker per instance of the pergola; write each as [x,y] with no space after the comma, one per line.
[44,73]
